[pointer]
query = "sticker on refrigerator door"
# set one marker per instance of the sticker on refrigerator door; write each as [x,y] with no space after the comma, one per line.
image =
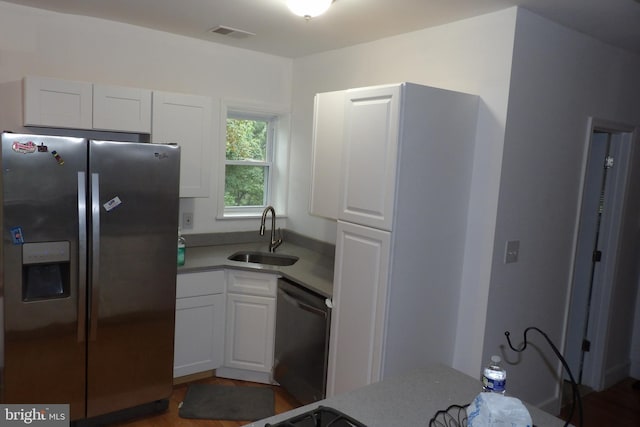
[57,157]
[112,204]
[24,147]
[42,148]
[16,235]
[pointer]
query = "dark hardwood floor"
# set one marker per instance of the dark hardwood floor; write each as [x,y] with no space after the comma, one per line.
[283,402]
[617,406]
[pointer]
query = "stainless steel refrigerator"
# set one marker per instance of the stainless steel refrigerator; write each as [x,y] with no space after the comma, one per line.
[88,272]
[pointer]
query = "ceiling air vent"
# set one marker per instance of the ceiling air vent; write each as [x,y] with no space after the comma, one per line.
[231,32]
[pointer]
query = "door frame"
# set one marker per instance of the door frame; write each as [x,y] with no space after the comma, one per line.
[594,369]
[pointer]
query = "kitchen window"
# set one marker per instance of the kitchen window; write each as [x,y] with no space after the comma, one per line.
[253,162]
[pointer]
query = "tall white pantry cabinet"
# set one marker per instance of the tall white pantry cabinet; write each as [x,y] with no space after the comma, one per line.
[406,157]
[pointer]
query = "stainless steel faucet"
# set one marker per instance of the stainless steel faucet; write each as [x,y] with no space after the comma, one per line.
[274,243]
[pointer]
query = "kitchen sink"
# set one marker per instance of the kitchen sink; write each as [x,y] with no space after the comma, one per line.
[263,258]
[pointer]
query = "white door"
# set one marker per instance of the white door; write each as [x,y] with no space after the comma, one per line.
[585,265]
[358,316]
[369,156]
[596,257]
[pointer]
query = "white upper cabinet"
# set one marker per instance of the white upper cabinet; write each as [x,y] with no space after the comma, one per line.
[370,156]
[328,118]
[186,120]
[57,103]
[121,109]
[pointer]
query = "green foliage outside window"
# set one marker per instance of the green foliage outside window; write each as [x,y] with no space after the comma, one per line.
[246,170]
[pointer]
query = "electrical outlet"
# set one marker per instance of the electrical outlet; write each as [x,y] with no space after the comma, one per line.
[187,220]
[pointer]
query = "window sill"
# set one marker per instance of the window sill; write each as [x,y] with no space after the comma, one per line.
[246,215]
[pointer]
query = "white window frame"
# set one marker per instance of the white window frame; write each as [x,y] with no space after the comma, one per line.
[277,157]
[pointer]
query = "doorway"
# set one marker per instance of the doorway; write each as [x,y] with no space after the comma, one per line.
[603,195]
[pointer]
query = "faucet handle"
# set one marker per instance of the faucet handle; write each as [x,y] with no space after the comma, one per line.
[277,242]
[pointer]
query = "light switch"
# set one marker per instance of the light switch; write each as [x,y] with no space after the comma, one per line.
[512,251]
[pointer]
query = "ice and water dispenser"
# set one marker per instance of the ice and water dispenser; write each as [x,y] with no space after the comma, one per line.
[45,270]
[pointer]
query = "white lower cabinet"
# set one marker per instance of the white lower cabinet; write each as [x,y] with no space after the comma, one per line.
[360,298]
[199,334]
[250,331]
[225,321]
[200,322]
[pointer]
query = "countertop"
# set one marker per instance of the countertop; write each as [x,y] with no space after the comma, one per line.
[409,400]
[312,270]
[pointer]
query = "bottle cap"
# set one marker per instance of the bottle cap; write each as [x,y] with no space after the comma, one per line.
[495,359]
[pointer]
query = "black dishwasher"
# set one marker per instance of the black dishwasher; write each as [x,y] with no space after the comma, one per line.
[302,342]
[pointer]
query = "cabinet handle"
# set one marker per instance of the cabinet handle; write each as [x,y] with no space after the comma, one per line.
[82,257]
[95,257]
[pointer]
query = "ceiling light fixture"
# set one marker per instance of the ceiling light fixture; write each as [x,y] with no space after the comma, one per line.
[309,8]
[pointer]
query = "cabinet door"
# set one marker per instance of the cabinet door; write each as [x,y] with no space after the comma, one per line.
[248,282]
[328,121]
[199,335]
[121,109]
[359,299]
[57,103]
[370,155]
[200,283]
[187,120]
[250,332]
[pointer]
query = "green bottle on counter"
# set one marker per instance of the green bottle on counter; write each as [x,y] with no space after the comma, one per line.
[181,249]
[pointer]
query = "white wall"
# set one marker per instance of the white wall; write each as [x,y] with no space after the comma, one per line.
[559,78]
[39,42]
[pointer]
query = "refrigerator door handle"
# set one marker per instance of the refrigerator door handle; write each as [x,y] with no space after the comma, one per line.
[95,255]
[82,257]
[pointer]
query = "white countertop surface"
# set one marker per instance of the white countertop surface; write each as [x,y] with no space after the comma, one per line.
[410,400]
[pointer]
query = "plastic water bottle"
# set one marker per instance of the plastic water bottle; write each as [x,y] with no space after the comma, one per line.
[181,249]
[494,378]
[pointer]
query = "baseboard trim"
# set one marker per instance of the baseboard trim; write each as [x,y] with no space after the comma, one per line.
[244,375]
[615,374]
[194,377]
